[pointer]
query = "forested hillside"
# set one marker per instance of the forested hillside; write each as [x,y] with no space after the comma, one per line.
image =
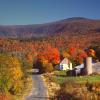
[24,47]
[70,26]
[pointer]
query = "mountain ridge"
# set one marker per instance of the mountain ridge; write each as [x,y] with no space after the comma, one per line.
[69,25]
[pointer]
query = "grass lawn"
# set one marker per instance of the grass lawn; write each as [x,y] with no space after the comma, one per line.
[60,77]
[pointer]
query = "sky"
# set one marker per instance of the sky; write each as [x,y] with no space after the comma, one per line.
[22,12]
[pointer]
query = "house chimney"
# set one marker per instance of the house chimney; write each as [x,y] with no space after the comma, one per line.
[88,65]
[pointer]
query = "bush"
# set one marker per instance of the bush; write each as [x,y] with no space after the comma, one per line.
[43,66]
[48,67]
[17,87]
[5,84]
[10,73]
[93,87]
[75,91]
[6,97]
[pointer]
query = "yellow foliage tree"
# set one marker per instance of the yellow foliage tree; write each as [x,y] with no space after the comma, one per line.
[10,67]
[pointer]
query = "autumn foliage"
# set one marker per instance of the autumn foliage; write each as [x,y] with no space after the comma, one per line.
[71,90]
[6,97]
[49,53]
[11,75]
[18,56]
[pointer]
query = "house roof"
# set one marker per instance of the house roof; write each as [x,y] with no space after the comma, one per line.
[64,61]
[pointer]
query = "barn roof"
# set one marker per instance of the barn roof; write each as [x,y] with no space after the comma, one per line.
[95,67]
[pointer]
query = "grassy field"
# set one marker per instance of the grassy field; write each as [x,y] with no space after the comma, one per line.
[60,77]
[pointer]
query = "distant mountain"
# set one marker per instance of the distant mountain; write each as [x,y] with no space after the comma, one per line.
[68,26]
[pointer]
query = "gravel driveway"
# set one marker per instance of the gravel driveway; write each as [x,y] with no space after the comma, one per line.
[39,91]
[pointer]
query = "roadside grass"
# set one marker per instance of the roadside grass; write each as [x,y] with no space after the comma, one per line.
[60,77]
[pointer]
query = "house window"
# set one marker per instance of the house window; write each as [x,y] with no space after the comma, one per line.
[61,67]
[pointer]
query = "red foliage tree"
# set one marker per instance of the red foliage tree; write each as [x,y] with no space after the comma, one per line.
[49,53]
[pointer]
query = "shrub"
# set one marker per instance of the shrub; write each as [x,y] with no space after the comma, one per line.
[10,66]
[75,91]
[6,97]
[43,66]
[48,67]
[93,87]
[17,87]
[5,84]
[10,74]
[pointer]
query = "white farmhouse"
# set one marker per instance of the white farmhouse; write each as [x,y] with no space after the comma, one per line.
[65,64]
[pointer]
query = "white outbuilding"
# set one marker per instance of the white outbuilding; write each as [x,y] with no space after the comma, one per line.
[65,64]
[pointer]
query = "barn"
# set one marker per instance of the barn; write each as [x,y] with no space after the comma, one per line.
[87,68]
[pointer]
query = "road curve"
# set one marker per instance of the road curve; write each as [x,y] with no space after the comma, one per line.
[39,91]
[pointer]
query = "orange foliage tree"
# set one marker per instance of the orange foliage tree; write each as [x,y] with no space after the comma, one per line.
[75,54]
[49,53]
